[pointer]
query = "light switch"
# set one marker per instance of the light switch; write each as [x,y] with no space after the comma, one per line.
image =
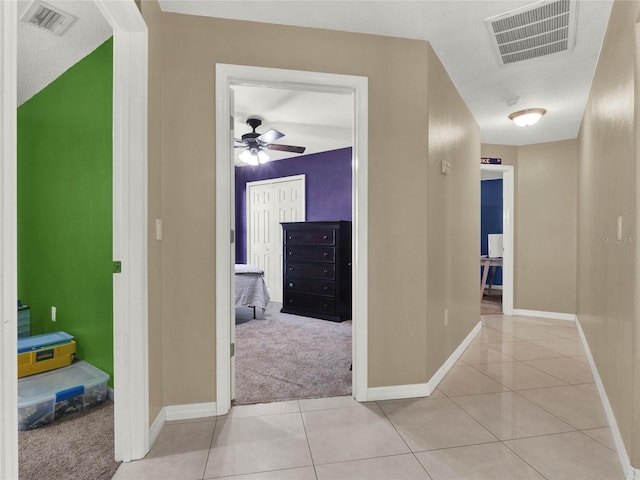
[620,227]
[445,167]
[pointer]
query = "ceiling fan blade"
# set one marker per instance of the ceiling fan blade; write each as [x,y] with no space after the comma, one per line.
[269,136]
[286,148]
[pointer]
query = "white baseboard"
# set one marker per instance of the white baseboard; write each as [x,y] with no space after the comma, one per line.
[398,392]
[179,412]
[453,358]
[156,426]
[630,472]
[571,317]
[191,410]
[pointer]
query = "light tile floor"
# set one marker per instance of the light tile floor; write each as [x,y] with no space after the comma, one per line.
[519,404]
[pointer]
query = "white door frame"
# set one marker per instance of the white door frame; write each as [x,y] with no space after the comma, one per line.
[248,210]
[130,299]
[226,76]
[508,220]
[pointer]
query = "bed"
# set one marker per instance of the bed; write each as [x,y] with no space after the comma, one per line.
[251,291]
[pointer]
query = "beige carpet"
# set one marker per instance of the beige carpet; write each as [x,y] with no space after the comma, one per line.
[75,447]
[287,357]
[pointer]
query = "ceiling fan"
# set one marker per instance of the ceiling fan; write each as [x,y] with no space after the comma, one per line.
[255,143]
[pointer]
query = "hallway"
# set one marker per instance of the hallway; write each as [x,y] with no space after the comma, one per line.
[520,403]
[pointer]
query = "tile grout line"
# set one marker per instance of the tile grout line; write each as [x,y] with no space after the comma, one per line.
[306,436]
[527,463]
[403,439]
[213,434]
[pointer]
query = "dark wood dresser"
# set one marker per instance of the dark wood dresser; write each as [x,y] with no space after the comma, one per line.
[317,269]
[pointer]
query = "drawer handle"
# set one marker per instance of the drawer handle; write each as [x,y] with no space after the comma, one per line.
[325,254]
[326,270]
[291,269]
[291,300]
[324,237]
[325,288]
[290,237]
[326,305]
[291,284]
[290,252]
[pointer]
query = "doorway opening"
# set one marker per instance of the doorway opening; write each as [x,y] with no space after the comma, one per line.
[285,346]
[355,88]
[497,239]
[129,232]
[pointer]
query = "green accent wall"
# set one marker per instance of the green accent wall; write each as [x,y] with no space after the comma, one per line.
[65,207]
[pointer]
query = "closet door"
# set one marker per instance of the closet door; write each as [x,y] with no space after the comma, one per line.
[270,202]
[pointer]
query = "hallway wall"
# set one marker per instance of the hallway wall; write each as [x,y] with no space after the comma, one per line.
[608,267]
[545,196]
[182,159]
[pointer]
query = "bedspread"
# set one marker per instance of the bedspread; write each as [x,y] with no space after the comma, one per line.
[251,291]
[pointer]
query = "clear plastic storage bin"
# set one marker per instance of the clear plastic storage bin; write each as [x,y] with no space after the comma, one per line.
[46,396]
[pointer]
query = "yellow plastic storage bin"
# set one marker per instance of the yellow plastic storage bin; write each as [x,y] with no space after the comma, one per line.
[42,353]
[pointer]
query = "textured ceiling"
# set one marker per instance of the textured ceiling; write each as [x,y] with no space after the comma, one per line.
[456,29]
[44,56]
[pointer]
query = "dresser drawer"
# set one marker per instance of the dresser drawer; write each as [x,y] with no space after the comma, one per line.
[313,286]
[315,270]
[293,301]
[310,254]
[310,237]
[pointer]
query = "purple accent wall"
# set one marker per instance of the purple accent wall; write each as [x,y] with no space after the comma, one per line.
[328,188]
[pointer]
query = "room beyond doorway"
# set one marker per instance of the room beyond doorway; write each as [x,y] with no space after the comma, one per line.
[356,88]
[291,355]
[506,174]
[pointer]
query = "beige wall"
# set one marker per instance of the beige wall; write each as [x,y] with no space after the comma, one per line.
[607,188]
[546,227]
[545,195]
[453,218]
[156,395]
[399,171]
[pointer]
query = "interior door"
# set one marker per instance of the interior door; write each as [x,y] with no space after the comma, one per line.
[270,202]
[232,254]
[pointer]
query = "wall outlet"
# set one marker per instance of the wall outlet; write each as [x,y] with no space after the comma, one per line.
[446,317]
[53,314]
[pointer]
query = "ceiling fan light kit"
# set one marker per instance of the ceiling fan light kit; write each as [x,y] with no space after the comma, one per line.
[254,144]
[254,157]
[528,117]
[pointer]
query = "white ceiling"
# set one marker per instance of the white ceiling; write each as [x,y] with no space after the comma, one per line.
[43,56]
[317,121]
[560,83]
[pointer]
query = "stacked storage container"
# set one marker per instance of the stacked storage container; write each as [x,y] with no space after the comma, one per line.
[24,320]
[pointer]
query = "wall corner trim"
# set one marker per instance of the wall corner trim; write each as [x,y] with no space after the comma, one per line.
[398,392]
[189,411]
[631,473]
[570,317]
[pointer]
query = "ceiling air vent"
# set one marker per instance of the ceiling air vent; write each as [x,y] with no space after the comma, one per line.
[542,28]
[47,17]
